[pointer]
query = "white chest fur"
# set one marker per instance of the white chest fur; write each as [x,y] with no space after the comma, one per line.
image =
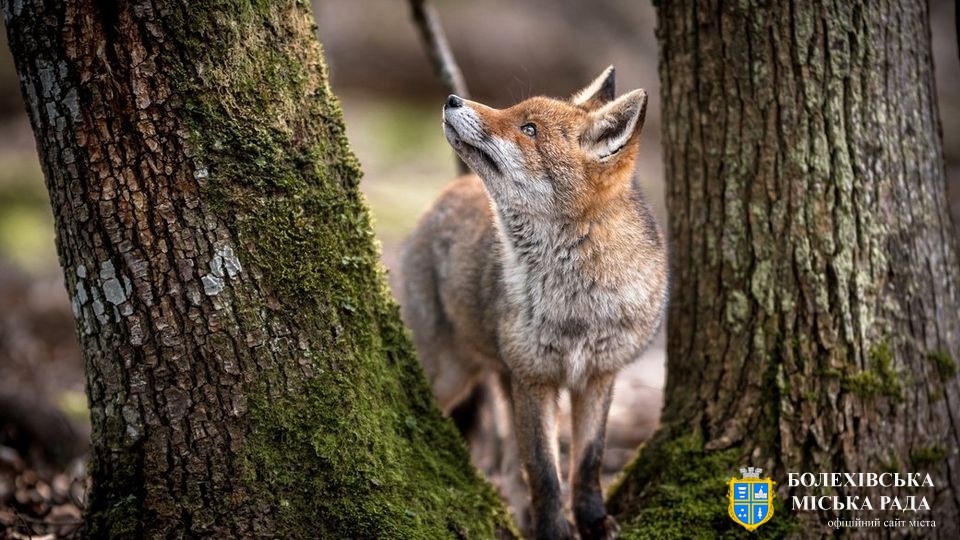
[566,317]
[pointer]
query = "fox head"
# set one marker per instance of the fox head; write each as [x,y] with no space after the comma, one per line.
[549,156]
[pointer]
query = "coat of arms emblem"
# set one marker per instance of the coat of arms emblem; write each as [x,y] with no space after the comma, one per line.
[751,499]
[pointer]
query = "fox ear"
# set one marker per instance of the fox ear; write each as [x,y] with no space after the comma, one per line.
[598,93]
[612,126]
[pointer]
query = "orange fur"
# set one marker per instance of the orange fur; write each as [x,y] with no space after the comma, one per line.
[548,269]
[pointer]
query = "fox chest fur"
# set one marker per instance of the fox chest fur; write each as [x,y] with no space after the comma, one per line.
[577,297]
[551,301]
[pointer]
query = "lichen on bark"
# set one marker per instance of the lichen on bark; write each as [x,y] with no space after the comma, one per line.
[816,272]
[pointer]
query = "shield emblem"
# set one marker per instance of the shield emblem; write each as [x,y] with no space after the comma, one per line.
[751,499]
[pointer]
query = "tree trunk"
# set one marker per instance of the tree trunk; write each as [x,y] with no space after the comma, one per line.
[247,372]
[815,317]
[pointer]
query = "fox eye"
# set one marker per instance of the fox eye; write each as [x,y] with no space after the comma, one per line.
[529,130]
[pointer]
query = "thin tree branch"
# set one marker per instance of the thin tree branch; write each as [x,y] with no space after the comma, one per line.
[441,57]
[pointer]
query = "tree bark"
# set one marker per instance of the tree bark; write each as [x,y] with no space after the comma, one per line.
[248,374]
[815,317]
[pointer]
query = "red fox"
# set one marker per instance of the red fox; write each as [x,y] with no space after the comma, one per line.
[548,268]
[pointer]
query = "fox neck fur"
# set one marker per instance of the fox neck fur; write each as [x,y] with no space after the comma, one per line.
[576,293]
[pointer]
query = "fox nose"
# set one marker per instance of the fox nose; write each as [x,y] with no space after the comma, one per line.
[453,102]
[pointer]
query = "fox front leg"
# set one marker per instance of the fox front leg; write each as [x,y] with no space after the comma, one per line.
[589,408]
[511,471]
[535,424]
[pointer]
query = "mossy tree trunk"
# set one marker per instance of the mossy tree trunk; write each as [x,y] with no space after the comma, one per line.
[815,318]
[248,374]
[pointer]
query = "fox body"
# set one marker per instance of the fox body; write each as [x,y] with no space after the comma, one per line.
[548,268]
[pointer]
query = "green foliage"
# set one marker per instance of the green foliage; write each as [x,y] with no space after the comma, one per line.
[26,222]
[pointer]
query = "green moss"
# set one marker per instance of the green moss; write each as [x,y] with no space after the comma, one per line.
[881,380]
[365,466]
[119,520]
[829,373]
[676,489]
[946,365]
[891,464]
[927,456]
[356,448]
[864,384]
[118,511]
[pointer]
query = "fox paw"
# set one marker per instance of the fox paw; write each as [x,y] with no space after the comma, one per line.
[605,528]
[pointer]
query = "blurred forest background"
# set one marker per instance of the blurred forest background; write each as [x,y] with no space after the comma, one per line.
[392,102]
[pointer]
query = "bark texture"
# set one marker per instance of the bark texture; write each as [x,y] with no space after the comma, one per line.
[815,318]
[248,374]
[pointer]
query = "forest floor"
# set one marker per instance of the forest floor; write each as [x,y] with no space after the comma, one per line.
[43,425]
[44,432]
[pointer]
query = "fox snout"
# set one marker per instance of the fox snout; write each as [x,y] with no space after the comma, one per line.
[453,102]
[459,121]
[470,137]
[455,121]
